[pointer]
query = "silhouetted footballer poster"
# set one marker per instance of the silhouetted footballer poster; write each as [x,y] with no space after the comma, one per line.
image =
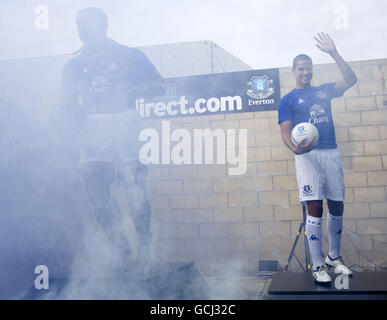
[232,92]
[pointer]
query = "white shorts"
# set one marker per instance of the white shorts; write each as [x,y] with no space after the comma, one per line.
[320,174]
[112,136]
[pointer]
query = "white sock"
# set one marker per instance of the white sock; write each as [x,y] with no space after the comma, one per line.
[314,233]
[334,227]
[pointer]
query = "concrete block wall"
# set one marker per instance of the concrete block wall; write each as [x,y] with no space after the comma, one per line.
[222,222]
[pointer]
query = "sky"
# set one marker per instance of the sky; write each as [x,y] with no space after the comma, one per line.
[261,33]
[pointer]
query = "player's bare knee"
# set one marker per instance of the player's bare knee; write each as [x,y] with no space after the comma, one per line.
[315,208]
[336,208]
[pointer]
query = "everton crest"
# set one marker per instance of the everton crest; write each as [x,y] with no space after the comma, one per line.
[260,87]
[321,95]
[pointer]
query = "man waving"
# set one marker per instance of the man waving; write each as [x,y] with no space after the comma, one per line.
[319,171]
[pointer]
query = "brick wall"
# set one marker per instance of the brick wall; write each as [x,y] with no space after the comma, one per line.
[202,214]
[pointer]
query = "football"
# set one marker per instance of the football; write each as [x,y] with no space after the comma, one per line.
[304,130]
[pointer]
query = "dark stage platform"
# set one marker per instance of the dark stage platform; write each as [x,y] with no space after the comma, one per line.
[361,285]
[164,281]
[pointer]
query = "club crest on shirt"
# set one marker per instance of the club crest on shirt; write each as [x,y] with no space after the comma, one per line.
[321,95]
[260,87]
[301,101]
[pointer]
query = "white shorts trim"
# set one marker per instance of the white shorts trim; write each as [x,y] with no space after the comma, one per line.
[320,174]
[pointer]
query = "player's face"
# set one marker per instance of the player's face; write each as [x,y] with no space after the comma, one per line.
[90,28]
[303,72]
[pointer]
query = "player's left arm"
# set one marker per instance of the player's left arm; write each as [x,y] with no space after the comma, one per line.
[326,44]
[151,84]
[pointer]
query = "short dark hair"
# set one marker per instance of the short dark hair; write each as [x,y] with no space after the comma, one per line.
[300,57]
[97,13]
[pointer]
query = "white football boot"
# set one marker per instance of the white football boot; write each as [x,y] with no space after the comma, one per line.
[321,275]
[338,265]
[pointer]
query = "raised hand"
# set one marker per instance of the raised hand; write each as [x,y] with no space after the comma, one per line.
[325,43]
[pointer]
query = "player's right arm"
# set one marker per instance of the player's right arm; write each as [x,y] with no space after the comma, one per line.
[286,137]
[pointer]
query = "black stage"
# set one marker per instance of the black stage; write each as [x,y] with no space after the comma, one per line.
[165,281]
[300,286]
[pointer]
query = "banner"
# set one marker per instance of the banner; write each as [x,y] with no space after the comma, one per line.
[232,92]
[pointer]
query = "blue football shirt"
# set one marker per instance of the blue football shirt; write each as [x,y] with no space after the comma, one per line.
[110,78]
[312,105]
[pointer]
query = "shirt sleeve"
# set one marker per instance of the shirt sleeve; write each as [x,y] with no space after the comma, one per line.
[329,88]
[151,82]
[284,110]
